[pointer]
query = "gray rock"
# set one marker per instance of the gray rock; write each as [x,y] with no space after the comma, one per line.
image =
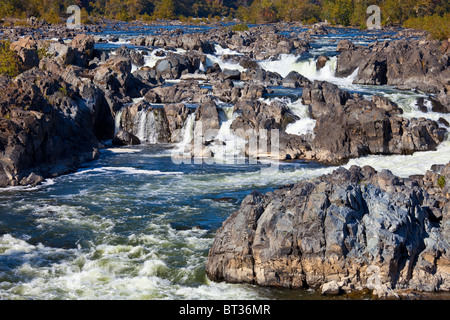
[331,288]
[124,138]
[230,74]
[354,228]
[408,64]
[295,80]
[349,126]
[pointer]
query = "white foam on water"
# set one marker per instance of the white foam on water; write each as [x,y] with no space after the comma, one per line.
[217,58]
[141,268]
[123,150]
[408,102]
[124,170]
[305,125]
[219,50]
[46,183]
[10,245]
[151,59]
[406,165]
[182,148]
[70,217]
[227,146]
[289,62]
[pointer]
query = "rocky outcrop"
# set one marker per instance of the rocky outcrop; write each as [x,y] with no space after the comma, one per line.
[407,64]
[47,129]
[124,138]
[295,80]
[349,126]
[194,42]
[55,114]
[176,65]
[155,125]
[349,230]
[260,43]
[264,43]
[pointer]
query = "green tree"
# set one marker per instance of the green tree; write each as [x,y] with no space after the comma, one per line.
[10,63]
[165,10]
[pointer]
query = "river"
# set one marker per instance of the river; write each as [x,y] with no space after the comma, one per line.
[136,225]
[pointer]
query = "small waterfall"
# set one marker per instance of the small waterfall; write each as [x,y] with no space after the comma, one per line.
[217,58]
[305,125]
[188,134]
[118,121]
[227,147]
[183,148]
[145,127]
[307,68]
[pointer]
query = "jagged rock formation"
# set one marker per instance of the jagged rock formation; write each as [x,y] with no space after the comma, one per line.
[349,230]
[408,64]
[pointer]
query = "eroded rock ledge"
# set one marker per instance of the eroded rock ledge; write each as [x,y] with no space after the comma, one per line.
[349,230]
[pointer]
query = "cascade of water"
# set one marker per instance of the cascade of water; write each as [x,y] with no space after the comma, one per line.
[145,126]
[188,134]
[307,68]
[227,145]
[117,121]
[305,125]
[139,124]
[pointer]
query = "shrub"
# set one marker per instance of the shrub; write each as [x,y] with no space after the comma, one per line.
[51,17]
[10,63]
[441,182]
[240,27]
[437,26]
[43,51]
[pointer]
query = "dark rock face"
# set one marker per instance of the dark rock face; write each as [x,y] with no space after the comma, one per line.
[295,80]
[147,123]
[175,65]
[47,129]
[123,138]
[408,64]
[135,56]
[348,126]
[349,230]
[185,91]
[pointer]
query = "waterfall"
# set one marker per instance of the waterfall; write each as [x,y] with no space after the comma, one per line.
[305,125]
[188,134]
[118,121]
[307,68]
[145,127]
[227,147]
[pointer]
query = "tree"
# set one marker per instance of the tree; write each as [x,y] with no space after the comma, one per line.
[10,63]
[165,10]
[338,11]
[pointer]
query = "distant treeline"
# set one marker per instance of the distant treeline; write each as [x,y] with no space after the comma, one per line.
[342,12]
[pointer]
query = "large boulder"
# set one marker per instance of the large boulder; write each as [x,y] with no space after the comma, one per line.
[26,49]
[47,130]
[349,126]
[408,64]
[352,229]
[175,65]
[123,138]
